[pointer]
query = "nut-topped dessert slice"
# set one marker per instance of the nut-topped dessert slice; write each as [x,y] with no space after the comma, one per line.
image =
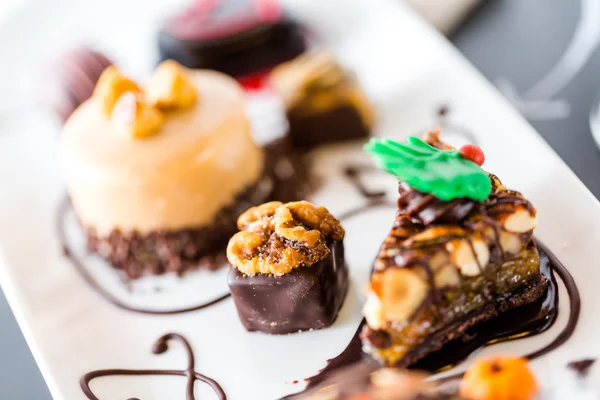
[158,175]
[460,252]
[288,270]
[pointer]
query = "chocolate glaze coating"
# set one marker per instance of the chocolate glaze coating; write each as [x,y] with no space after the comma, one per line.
[306,298]
[338,124]
[234,37]
[425,208]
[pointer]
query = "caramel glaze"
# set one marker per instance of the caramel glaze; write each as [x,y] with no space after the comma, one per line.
[161,346]
[81,268]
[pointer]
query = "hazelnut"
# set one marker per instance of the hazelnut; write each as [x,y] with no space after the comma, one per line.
[470,258]
[171,87]
[110,87]
[135,118]
[403,291]
[439,260]
[511,242]
[520,221]
[447,276]
[436,232]
[373,311]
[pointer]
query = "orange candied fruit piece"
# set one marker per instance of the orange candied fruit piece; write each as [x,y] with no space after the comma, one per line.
[499,378]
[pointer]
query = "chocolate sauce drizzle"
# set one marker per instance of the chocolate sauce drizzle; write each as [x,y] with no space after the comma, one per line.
[161,346]
[353,173]
[582,367]
[81,268]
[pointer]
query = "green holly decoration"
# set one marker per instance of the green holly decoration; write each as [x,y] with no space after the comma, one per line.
[443,173]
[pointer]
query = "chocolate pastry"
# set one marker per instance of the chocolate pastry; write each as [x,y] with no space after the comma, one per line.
[323,101]
[239,38]
[288,270]
[158,175]
[71,78]
[460,252]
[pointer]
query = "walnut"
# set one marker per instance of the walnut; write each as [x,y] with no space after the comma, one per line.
[171,87]
[317,218]
[257,214]
[275,238]
[111,86]
[135,118]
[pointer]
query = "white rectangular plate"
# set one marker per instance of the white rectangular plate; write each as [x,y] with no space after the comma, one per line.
[408,70]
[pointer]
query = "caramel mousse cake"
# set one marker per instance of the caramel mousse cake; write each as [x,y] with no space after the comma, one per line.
[460,252]
[158,176]
[323,101]
[288,269]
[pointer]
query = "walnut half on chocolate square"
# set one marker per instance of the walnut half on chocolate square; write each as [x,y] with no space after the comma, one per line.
[288,270]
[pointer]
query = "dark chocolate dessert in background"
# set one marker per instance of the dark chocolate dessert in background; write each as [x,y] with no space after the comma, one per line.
[71,78]
[242,38]
[288,269]
[323,101]
[145,173]
[460,252]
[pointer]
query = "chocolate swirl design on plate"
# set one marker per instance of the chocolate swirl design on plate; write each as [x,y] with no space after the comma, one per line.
[160,347]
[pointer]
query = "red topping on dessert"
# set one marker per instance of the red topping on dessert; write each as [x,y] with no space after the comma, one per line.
[473,153]
[256,81]
[213,19]
[268,10]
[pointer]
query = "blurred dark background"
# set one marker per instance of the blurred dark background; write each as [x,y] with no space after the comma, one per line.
[513,39]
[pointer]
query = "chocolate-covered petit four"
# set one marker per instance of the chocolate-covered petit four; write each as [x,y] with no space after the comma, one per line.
[240,38]
[323,101]
[71,78]
[158,175]
[461,251]
[288,270]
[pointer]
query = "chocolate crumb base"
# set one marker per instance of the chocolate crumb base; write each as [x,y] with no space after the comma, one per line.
[458,330]
[289,171]
[177,251]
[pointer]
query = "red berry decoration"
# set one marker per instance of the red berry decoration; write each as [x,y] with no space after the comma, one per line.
[472,153]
